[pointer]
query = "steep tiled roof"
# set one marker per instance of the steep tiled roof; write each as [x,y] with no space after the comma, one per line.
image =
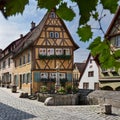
[86,65]
[33,35]
[30,37]
[80,66]
[113,22]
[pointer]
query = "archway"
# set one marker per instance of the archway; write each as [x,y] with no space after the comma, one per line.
[118,88]
[107,88]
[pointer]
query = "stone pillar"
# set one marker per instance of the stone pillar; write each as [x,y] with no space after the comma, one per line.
[57,84]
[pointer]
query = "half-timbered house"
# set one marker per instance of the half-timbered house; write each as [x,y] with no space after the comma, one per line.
[46,46]
[109,78]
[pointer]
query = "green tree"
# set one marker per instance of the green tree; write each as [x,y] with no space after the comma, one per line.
[87,9]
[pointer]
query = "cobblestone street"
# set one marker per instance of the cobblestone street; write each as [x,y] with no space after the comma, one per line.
[14,108]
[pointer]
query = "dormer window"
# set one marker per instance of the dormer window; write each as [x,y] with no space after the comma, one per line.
[105,72]
[91,60]
[52,15]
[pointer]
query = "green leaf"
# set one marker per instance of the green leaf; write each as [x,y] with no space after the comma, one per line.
[85,8]
[117,65]
[102,50]
[15,6]
[85,33]
[117,54]
[95,43]
[48,4]
[109,61]
[104,55]
[65,12]
[110,4]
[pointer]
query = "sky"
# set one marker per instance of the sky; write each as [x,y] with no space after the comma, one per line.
[11,29]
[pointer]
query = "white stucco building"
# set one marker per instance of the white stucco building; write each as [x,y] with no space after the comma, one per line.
[89,78]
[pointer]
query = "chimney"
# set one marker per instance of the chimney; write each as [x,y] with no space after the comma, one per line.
[0,50]
[21,35]
[0,53]
[32,25]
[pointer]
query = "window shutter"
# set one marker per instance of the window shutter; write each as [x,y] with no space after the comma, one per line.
[69,77]
[26,79]
[37,76]
[17,78]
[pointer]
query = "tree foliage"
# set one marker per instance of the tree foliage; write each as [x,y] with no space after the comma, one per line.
[87,9]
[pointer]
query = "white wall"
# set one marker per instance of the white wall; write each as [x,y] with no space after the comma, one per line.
[91,80]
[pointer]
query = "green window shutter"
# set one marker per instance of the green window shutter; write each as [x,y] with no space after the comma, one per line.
[17,78]
[26,78]
[37,76]
[69,77]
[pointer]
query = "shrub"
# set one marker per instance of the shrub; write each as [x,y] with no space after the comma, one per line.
[61,90]
[43,89]
[69,89]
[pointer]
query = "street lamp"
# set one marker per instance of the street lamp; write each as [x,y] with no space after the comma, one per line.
[57,84]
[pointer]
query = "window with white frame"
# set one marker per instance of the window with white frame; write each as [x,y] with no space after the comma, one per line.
[52,75]
[117,41]
[51,34]
[44,75]
[91,74]
[56,35]
[8,61]
[28,57]
[20,61]
[66,51]
[28,78]
[4,64]
[85,85]
[58,51]
[50,51]
[42,51]
[23,78]
[23,59]
[62,75]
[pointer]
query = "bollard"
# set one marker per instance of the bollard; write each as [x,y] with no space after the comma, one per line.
[107,109]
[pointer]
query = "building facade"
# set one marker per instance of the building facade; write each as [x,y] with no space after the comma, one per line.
[45,50]
[109,78]
[77,71]
[89,78]
[7,64]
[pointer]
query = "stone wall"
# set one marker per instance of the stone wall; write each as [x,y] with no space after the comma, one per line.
[57,99]
[104,97]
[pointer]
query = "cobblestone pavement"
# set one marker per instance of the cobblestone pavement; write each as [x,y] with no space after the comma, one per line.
[14,108]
